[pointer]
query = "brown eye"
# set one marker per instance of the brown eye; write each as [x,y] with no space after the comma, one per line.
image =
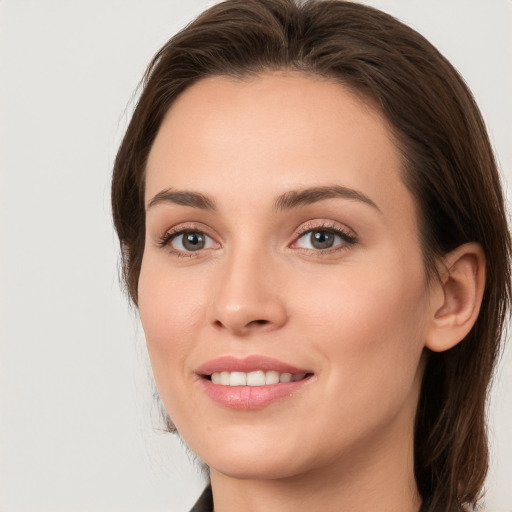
[322,239]
[191,241]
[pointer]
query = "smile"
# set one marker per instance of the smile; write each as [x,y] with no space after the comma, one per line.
[254,378]
[252,382]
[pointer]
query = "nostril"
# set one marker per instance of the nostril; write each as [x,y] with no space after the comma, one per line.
[218,323]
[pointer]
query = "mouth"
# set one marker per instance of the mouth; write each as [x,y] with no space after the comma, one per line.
[254,378]
[252,382]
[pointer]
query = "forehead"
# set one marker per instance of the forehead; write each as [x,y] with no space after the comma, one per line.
[267,134]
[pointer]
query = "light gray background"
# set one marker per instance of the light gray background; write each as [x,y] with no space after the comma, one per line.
[75,404]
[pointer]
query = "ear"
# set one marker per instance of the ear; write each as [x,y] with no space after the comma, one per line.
[457,297]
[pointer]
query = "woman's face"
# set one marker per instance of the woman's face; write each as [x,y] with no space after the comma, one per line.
[282,292]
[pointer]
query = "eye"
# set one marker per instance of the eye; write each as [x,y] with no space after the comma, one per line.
[190,241]
[322,239]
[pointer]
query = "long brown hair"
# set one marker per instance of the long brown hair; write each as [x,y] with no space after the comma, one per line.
[448,165]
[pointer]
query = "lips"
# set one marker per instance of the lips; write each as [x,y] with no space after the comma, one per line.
[248,364]
[252,382]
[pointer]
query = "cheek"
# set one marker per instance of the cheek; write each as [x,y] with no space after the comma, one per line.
[170,312]
[370,330]
[365,298]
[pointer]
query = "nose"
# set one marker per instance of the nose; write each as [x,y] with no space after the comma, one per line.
[248,297]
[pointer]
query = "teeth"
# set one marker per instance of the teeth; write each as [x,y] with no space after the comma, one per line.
[256,378]
[238,379]
[271,377]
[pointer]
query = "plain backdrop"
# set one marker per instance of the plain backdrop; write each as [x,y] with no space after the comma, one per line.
[77,424]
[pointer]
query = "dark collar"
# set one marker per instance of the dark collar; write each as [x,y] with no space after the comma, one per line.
[205,502]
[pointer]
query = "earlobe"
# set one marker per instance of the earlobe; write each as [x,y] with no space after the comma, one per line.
[457,298]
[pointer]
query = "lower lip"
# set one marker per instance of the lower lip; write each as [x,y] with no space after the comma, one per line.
[251,397]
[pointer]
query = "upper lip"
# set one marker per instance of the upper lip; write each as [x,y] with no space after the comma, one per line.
[247,364]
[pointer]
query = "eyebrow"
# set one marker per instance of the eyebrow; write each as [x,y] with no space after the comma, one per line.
[296,198]
[184,198]
[288,200]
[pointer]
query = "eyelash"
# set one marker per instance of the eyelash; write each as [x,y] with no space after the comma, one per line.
[166,239]
[346,236]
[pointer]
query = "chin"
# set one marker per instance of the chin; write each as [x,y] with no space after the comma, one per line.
[246,459]
[260,468]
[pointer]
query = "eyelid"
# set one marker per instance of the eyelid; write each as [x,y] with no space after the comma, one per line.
[164,240]
[325,225]
[347,234]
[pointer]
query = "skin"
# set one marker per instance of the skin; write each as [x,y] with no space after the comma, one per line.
[358,315]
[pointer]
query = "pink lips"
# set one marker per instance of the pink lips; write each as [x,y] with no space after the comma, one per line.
[247,364]
[249,397]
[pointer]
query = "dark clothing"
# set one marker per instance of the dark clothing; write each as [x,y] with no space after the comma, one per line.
[205,502]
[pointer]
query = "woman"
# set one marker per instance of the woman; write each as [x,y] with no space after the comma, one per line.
[313,230]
